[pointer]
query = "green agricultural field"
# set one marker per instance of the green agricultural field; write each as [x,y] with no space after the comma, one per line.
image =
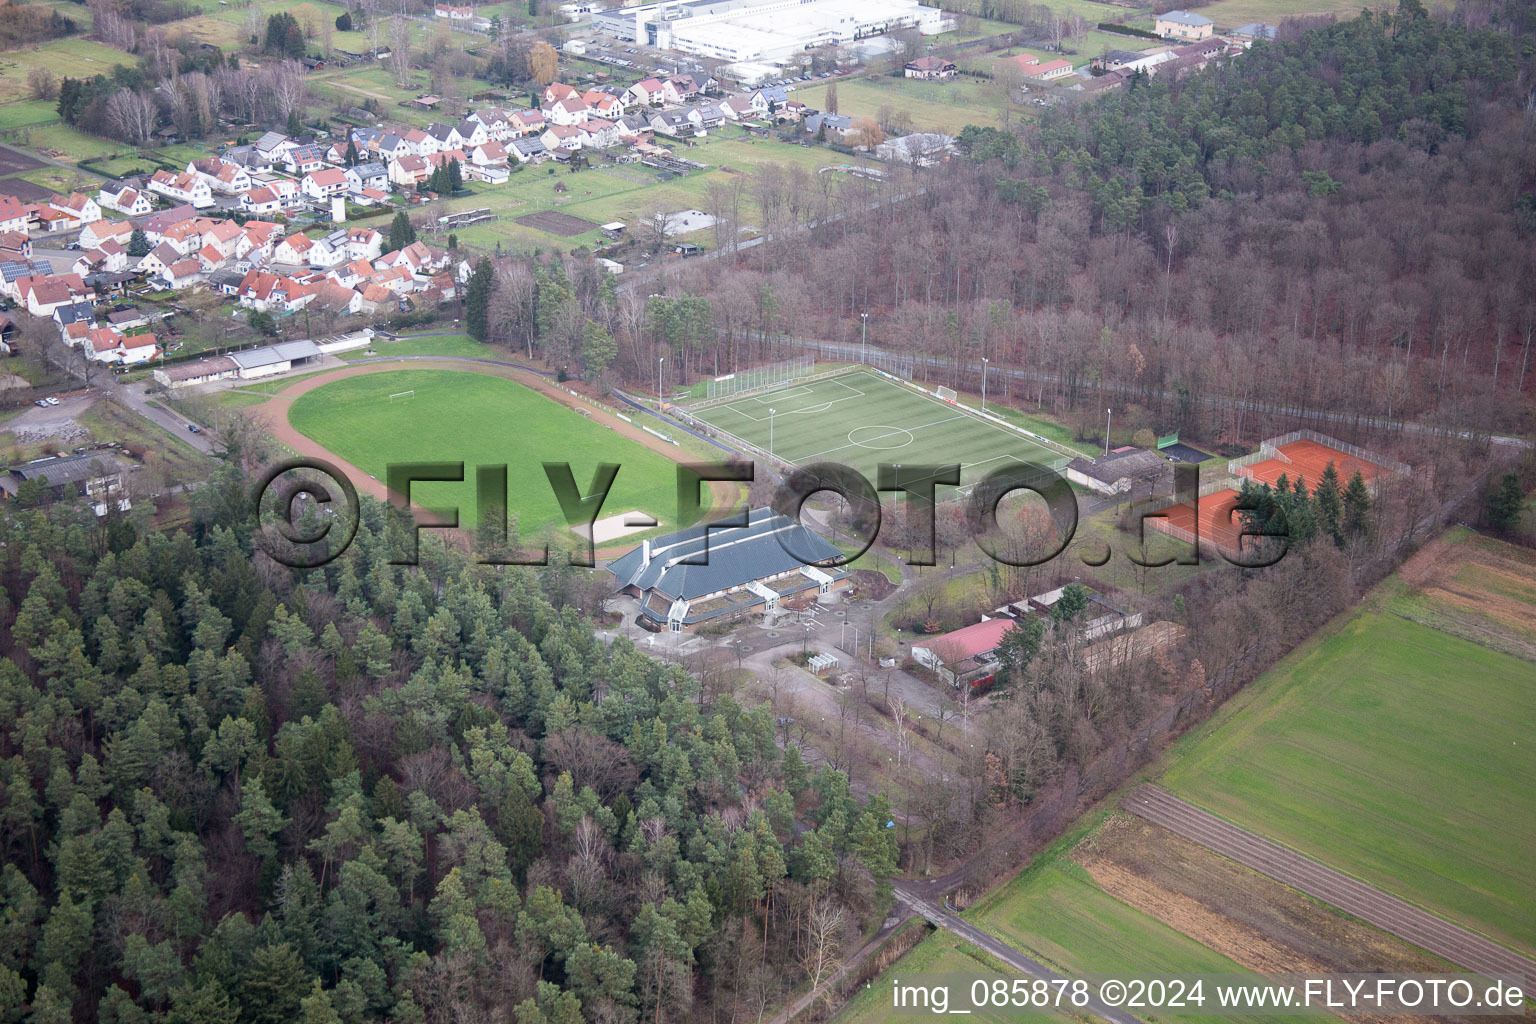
[1394,752]
[1054,911]
[1233,13]
[939,953]
[480,420]
[74,145]
[68,58]
[933,106]
[64,182]
[29,112]
[605,193]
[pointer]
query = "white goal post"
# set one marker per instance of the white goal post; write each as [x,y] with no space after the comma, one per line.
[948,394]
[403,394]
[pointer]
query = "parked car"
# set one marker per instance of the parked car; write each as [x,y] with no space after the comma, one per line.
[194,428]
[51,400]
[40,403]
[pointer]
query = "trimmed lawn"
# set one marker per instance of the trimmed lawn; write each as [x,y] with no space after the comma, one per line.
[481,420]
[1394,752]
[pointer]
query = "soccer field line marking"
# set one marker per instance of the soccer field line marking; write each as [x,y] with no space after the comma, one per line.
[800,392]
[855,444]
[774,396]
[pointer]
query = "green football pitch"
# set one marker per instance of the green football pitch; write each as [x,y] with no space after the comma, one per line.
[861,420]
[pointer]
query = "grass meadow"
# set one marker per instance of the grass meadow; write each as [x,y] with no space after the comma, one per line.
[1394,752]
[460,416]
[1057,914]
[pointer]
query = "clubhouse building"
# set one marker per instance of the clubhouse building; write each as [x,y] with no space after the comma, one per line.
[686,579]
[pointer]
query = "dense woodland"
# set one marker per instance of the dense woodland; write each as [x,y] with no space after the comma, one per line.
[1341,221]
[234,792]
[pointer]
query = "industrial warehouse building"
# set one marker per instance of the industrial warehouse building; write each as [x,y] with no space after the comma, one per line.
[764,30]
[748,568]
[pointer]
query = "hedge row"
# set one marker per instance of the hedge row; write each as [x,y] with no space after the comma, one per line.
[1126,30]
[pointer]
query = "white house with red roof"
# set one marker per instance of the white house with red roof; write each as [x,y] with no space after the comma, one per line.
[410,171]
[364,244]
[645,92]
[77,205]
[125,200]
[571,110]
[324,183]
[293,250]
[14,215]
[182,188]
[93,234]
[42,294]
[261,201]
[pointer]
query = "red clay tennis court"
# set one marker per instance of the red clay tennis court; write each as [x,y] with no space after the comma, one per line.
[1221,528]
[1218,525]
[1307,460]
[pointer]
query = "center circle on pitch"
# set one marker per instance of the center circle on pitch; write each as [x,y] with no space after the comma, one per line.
[880,438]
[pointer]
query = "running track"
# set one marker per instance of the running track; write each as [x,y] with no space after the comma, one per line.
[1456,944]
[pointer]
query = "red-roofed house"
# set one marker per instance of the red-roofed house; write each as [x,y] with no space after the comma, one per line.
[526,122]
[78,205]
[324,183]
[182,188]
[96,232]
[964,656]
[293,250]
[41,295]
[1018,62]
[409,171]
[15,242]
[14,215]
[645,92]
[261,200]
[124,200]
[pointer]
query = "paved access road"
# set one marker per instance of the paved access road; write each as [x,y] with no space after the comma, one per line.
[940,917]
[1453,942]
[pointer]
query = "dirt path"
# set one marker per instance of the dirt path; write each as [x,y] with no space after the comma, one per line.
[274,415]
[1395,916]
